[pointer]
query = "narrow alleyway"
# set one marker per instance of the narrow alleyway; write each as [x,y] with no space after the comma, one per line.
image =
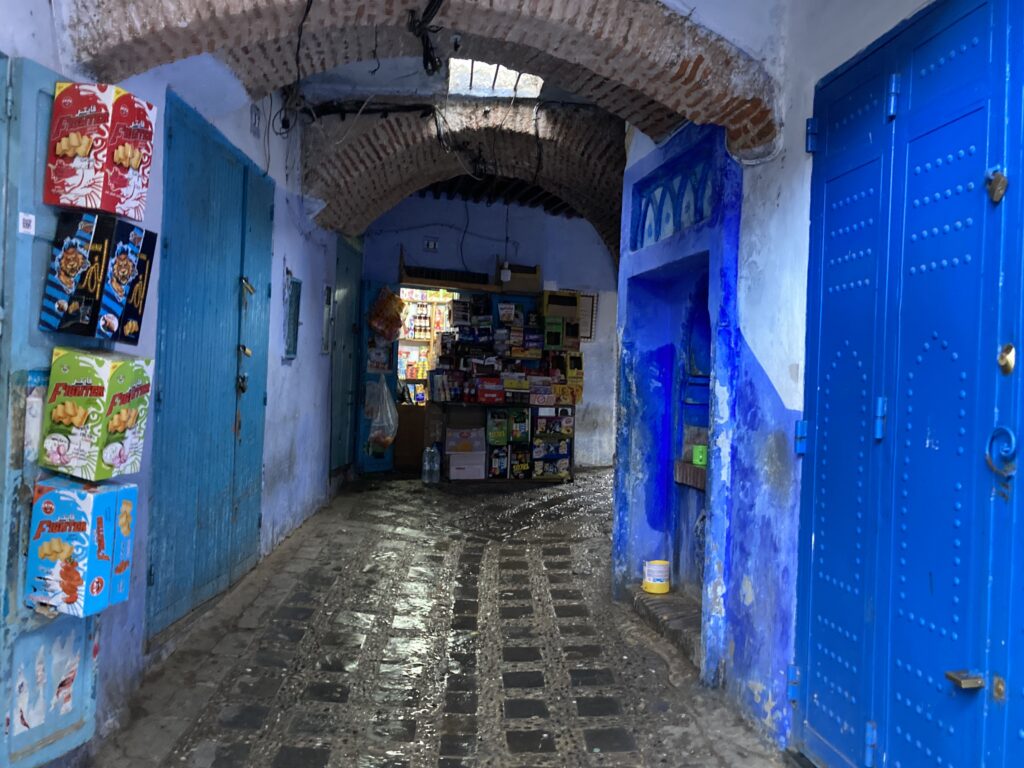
[412,627]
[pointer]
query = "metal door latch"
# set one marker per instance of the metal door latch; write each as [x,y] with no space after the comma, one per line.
[247,286]
[244,350]
[966,681]
[242,383]
[997,183]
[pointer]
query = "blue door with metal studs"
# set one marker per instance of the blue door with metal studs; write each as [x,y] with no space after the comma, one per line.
[909,407]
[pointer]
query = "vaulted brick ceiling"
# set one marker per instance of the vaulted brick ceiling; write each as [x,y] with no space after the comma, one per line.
[364,169]
[634,58]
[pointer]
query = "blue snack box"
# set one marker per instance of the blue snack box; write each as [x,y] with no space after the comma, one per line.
[80,545]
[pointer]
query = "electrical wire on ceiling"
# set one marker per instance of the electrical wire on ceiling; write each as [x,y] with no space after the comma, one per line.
[286,117]
[423,29]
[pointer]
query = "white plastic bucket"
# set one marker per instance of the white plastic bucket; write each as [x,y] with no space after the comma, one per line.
[656,577]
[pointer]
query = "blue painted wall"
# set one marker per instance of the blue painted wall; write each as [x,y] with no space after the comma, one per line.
[681,232]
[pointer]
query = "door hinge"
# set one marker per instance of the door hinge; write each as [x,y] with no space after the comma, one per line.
[264,398]
[793,684]
[892,100]
[150,576]
[811,137]
[800,437]
[881,408]
[269,287]
[870,743]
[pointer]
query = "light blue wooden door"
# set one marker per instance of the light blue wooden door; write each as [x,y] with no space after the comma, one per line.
[47,668]
[344,351]
[251,387]
[208,435]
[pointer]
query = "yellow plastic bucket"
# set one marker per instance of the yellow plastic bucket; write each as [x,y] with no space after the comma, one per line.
[656,577]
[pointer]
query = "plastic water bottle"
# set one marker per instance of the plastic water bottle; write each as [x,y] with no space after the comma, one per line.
[435,465]
[427,471]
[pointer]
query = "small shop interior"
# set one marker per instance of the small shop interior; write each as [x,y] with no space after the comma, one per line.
[490,376]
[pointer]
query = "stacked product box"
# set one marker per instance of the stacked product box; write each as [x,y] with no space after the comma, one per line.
[98,278]
[520,451]
[80,545]
[553,431]
[94,418]
[466,450]
[100,149]
[497,444]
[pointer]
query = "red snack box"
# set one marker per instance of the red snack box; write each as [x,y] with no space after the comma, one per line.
[100,150]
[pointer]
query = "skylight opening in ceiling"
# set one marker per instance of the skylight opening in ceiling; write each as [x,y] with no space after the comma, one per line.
[469,77]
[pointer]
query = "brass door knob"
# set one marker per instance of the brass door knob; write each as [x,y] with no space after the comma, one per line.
[1007,358]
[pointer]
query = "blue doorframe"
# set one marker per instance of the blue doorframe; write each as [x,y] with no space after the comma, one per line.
[210,397]
[366,459]
[680,226]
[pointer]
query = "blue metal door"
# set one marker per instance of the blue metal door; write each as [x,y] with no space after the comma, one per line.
[895,622]
[846,339]
[208,435]
[47,666]
[946,254]
[344,351]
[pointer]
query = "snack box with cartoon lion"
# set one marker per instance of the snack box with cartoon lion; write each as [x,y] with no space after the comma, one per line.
[94,418]
[100,149]
[80,545]
[99,277]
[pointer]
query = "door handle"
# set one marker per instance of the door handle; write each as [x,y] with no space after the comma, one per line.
[1002,443]
[964,680]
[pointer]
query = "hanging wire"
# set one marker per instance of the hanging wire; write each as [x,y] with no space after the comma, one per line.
[355,120]
[284,120]
[422,28]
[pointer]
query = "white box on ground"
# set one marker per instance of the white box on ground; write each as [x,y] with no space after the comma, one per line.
[467,466]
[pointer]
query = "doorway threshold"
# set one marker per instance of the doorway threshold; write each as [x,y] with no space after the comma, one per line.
[675,616]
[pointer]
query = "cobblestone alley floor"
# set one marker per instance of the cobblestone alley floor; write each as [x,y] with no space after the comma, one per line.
[412,627]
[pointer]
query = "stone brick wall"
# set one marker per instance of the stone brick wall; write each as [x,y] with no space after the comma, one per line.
[609,50]
[363,169]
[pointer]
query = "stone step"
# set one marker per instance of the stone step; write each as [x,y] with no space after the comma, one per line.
[675,616]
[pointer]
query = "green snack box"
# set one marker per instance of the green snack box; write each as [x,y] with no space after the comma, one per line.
[94,422]
[700,455]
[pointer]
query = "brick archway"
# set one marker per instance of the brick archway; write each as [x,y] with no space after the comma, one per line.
[627,55]
[576,154]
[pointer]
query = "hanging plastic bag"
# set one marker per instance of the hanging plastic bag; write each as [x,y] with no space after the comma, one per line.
[385,316]
[384,423]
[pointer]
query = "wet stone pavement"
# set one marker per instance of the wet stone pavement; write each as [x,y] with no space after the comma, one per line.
[410,627]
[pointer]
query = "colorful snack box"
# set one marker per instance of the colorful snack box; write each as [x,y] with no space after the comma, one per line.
[94,421]
[99,277]
[80,545]
[100,150]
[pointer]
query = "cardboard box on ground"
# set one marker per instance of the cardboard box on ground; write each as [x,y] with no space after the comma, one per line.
[94,421]
[80,545]
[98,278]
